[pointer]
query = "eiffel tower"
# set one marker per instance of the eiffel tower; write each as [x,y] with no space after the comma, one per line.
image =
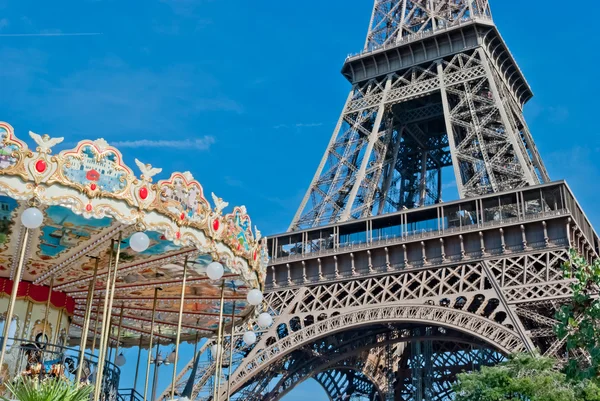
[434,89]
[382,290]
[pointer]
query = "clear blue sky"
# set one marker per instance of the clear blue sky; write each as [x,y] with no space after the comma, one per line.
[245,94]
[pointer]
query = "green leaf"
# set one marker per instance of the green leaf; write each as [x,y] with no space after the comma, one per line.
[49,389]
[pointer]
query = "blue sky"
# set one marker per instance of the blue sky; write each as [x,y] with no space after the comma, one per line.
[245,95]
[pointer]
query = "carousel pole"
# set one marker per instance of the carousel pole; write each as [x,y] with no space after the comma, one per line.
[111,296]
[31,218]
[96,325]
[218,359]
[47,311]
[137,365]
[156,366]
[86,319]
[181,301]
[109,349]
[58,325]
[119,333]
[150,343]
[230,352]
[104,307]
[106,316]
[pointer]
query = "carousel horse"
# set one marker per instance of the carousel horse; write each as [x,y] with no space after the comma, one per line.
[34,366]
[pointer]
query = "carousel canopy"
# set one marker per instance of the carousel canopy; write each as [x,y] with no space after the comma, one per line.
[89,197]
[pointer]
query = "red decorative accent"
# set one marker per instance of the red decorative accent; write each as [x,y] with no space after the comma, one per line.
[254,255]
[143,192]
[93,187]
[178,235]
[216,225]
[92,175]
[239,247]
[88,207]
[39,294]
[40,166]
[182,217]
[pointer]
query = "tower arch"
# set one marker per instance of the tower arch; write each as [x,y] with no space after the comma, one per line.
[500,337]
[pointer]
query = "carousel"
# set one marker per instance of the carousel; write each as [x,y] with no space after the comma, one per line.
[94,258]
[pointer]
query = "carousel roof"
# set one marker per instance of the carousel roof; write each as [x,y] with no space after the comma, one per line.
[89,196]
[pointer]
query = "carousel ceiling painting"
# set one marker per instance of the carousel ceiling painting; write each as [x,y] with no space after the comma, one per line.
[90,198]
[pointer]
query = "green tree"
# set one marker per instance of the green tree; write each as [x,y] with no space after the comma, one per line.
[523,378]
[580,318]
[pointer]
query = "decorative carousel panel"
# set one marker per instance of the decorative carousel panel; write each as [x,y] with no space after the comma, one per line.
[181,197]
[64,230]
[12,151]
[239,231]
[59,246]
[8,215]
[92,205]
[96,168]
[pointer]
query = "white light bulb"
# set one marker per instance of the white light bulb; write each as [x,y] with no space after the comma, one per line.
[254,297]
[265,320]
[32,217]
[215,350]
[120,360]
[139,242]
[249,337]
[215,271]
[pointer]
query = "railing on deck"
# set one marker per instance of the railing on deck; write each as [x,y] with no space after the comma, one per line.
[471,214]
[424,34]
[392,267]
[414,236]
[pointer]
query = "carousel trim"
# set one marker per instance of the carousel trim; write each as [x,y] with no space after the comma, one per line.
[39,294]
[93,181]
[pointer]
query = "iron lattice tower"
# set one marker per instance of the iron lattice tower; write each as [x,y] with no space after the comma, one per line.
[381,291]
[434,89]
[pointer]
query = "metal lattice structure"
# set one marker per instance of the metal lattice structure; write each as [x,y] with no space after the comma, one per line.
[398,314]
[434,88]
[379,289]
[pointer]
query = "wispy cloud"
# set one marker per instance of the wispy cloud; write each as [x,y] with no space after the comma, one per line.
[298,125]
[16,35]
[185,8]
[309,125]
[203,143]
[233,182]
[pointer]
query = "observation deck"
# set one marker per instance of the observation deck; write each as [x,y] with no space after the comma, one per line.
[523,220]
